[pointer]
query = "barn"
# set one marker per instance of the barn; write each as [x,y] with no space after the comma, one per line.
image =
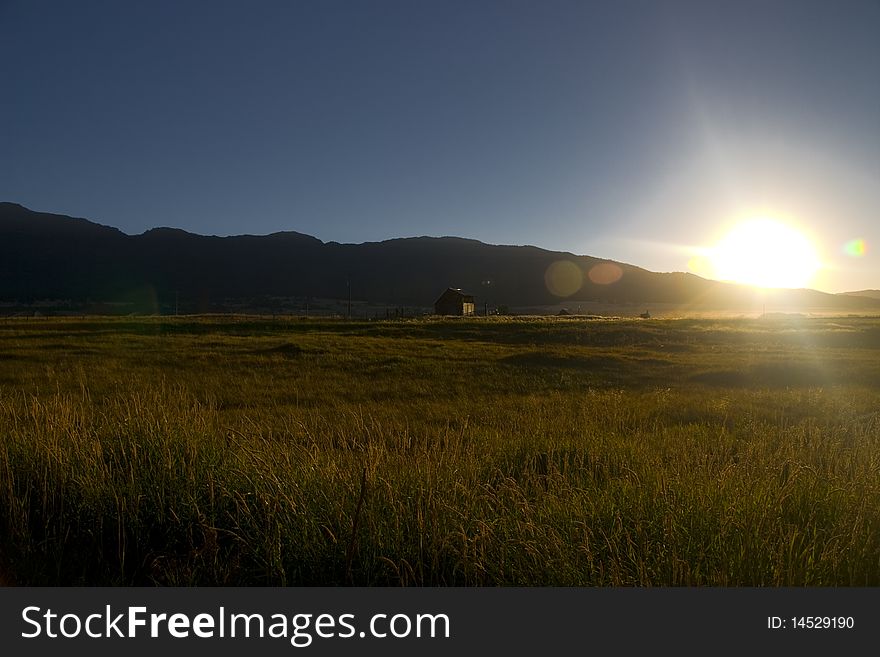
[454,302]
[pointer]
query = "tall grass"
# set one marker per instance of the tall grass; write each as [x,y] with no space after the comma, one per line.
[440,453]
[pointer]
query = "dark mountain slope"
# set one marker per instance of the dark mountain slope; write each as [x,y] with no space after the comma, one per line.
[47,256]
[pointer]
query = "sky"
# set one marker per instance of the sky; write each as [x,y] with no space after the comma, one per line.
[639,131]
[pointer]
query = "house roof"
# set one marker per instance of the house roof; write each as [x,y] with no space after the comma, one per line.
[455,294]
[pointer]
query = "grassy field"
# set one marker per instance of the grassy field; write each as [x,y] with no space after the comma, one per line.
[183,451]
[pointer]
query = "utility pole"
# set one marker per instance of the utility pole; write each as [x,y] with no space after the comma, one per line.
[348,283]
[486,285]
[176,302]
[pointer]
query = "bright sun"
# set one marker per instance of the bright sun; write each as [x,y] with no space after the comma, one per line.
[765,253]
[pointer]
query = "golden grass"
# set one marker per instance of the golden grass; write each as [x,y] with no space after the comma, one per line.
[487,451]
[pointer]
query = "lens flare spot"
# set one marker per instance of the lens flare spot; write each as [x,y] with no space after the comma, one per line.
[563,278]
[701,265]
[605,273]
[856,248]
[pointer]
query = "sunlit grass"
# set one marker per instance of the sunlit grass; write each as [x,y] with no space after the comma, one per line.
[530,452]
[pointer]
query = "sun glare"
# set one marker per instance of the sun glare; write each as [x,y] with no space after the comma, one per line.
[765,253]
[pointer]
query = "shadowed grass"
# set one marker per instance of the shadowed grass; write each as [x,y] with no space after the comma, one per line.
[213,451]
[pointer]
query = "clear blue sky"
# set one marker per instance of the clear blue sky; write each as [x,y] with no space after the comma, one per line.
[636,131]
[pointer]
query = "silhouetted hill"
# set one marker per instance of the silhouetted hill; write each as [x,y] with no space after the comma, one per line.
[871,294]
[48,256]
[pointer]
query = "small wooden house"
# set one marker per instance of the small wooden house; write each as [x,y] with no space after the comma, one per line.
[454,302]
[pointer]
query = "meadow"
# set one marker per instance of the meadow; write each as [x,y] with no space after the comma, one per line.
[484,451]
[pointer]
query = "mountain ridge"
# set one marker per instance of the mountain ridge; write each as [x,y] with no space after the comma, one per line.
[51,256]
[870,294]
